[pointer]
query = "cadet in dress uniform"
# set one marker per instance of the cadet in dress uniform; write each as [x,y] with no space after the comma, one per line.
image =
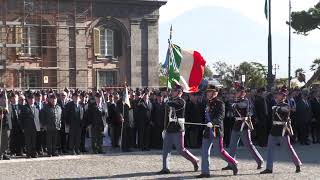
[173,133]
[213,133]
[281,130]
[242,128]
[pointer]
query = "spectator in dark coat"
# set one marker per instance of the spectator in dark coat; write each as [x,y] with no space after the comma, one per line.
[315,126]
[303,118]
[144,122]
[50,117]
[260,107]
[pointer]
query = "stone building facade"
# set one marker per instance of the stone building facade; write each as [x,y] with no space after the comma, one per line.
[79,43]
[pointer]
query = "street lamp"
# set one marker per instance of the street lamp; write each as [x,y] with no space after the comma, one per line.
[275,68]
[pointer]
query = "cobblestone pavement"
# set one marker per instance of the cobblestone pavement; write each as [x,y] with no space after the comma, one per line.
[144,165]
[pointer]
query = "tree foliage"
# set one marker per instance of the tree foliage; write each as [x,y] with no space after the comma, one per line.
[315,65]
[208,72]
[305,21]
[255,73]
[300,75]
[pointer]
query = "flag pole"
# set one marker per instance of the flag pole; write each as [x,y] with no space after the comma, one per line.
[169,50]
[121,137]
[289,57]
[270,76]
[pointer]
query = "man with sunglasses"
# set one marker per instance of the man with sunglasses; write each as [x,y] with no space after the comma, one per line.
[173,133]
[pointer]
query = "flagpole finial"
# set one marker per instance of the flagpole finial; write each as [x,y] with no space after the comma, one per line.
[171,32]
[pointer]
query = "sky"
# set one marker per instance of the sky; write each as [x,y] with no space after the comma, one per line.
[237,30]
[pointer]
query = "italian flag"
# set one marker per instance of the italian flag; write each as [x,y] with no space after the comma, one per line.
[185,67]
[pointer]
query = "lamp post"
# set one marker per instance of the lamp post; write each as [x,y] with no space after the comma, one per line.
[275,68]
[289,57]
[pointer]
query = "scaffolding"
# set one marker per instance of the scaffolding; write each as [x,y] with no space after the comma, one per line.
[39,43]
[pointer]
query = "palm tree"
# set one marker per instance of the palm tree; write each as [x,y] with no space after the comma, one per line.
[300,75]
[315,65]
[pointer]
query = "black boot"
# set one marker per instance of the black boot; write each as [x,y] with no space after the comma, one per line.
[164,171]
[203,176]
[298,169]
[196,166]
[235,170]
[266,171]
[226,168]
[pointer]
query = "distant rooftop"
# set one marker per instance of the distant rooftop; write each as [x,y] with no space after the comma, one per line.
[160,2]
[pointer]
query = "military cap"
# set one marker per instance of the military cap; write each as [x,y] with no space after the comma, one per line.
[76,93]
[177,87]
[30,95]
[283,91]
[240,88]
[212,87]
[52,96]
[98,94]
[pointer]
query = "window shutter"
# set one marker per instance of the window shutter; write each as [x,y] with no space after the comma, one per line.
[117,44]
[96,39]
[19,37]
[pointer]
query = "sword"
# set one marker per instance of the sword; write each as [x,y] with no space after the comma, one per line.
[195,124]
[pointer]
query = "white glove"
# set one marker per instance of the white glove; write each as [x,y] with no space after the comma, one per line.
[209,125]
[163,134]
[181,120]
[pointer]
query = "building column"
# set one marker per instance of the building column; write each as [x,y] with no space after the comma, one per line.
[81,57]
[62,55]
[136,55]
[153,52]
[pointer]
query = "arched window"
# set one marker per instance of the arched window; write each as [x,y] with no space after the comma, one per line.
[29,38]
[104,42]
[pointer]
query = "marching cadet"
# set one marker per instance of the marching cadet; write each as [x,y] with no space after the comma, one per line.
[281,130]
[29,118]
[50,117]
[96,117]
[173,133]
[242,128]
[74,117]
[213,133]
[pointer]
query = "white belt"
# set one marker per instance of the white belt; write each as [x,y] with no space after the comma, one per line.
[173,120]
[241,118]
[278,123]
[180,120]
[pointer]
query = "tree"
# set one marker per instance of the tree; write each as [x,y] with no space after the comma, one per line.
[315,65]
[226,72]
[300,75]
[306,21]
[255,74]
[208,72]
[162,76]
